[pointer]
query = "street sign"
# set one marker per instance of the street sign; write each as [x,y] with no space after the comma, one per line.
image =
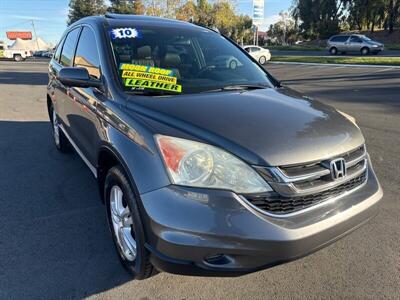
[258,11]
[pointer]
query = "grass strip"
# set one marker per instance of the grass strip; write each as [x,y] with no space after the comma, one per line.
[390,61]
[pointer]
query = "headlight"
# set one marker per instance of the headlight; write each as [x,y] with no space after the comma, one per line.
[375,46]
[196,164]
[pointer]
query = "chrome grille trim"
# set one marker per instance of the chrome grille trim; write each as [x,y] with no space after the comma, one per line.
[306,185]
[315,174]
[290,189]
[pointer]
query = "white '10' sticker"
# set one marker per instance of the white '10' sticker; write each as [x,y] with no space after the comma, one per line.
[125,33]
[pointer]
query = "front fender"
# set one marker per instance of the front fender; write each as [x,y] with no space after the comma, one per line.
[141,162]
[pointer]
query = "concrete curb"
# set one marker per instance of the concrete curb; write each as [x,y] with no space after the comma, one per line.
[333,65]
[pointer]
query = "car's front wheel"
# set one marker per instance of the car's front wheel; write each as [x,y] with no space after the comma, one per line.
[262,60]
[18,57]
[364,51]
[125,224]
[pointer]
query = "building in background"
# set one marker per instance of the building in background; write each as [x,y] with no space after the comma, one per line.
[23,35]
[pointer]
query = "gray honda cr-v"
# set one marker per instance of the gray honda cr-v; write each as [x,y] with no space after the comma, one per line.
[205,167]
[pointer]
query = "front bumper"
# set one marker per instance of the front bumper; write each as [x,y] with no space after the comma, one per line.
[216,233]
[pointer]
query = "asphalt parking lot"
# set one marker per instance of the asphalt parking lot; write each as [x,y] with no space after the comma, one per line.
[54,241]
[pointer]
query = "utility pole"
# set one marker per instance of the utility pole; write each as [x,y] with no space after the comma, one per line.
[34,31]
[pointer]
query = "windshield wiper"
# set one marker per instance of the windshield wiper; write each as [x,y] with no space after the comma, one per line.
[151,92]
[238,87]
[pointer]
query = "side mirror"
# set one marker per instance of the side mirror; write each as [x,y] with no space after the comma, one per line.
[77,77]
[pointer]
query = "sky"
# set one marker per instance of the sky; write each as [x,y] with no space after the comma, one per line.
[50,16]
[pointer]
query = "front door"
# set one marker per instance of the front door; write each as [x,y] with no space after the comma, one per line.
[355,44]
[82,104]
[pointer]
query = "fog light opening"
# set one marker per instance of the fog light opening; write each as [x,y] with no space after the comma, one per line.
[217,259]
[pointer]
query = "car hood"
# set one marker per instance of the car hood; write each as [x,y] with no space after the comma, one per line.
[375,43]
[264,127]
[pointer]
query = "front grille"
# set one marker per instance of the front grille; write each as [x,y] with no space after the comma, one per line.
[302,186]
[276,204]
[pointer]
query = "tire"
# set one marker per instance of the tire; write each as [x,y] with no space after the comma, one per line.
[364,51]
[60,140]
[18,57]
[233,64]
[126,217]
[333,51]
[262,60]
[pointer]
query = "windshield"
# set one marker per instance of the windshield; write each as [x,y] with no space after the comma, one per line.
[164,60]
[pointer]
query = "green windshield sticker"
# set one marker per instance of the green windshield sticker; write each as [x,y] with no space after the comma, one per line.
[139,76]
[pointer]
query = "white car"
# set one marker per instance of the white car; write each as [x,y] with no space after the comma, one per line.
[226,61]
[260,54]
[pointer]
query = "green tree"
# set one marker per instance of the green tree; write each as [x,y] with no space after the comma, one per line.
[121,7]
[203,13]
[284,31]
[82,8]
[187,11]
[318,18]
[138,7]
[393,9]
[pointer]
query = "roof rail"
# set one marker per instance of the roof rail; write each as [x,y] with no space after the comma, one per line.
[118,16]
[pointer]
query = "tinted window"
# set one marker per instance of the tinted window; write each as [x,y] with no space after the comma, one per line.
[342,38]
[1,47]
[180,60]
[355,39]
[247,49]
[69,48]
[87,55]
[58,51]
[255,49]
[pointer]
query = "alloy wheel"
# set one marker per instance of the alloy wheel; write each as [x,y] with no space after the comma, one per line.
[121,219]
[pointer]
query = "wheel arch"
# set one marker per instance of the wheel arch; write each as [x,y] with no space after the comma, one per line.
[106,159]
[49,105]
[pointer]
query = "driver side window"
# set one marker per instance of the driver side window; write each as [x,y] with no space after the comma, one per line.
[355,39]
[87,55]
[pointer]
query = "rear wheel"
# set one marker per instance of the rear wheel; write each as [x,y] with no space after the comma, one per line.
[125,224]
[333,51]
[364,51]
[262,60]
[18,57]
[60,140]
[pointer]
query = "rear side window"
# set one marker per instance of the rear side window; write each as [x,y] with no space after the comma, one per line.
[69,48]
[58,51]
[87,55]
[340,39]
